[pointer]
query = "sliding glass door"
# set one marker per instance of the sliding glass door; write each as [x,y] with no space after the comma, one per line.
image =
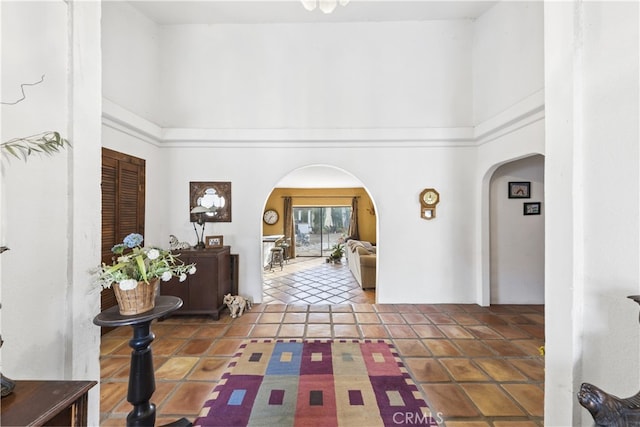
[318,228]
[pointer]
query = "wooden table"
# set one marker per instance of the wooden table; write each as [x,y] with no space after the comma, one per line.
[38,403]
[142,381]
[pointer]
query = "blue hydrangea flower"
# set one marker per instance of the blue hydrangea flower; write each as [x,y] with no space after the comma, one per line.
[133,240]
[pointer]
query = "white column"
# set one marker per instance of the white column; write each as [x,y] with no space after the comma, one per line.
[85,111]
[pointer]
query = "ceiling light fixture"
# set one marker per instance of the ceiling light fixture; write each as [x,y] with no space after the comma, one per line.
[327,6]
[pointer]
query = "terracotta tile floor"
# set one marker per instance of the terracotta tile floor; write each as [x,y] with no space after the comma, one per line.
[477,366]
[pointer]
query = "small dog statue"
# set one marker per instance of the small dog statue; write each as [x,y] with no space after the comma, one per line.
[237,304]
[175,244]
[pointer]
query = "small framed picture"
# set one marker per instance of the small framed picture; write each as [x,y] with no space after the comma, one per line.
[213,242]
[519,190]
[531,208]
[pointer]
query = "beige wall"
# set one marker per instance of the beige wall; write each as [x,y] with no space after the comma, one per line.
[342,197]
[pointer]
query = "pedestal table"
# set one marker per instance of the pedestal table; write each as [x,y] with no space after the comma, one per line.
[142,382]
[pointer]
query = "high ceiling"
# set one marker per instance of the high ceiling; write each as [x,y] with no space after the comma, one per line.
[292,11]
[166,12]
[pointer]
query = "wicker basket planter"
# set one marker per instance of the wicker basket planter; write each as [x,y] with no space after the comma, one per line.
[138,300]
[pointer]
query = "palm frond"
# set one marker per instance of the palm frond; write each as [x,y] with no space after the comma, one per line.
[47,143]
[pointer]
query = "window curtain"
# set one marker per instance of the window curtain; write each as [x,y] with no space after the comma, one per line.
[354,232]
[288,225]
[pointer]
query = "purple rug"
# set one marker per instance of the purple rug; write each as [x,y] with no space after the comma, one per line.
[279,383]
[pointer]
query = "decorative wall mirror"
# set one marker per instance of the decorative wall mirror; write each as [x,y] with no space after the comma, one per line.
[215,196]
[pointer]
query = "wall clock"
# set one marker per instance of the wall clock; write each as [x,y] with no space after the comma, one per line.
[429,198]
[270,216]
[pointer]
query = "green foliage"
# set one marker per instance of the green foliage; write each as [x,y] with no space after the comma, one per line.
[337,252]
[134,263]
[44,143]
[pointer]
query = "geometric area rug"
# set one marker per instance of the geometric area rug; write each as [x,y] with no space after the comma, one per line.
[321,383]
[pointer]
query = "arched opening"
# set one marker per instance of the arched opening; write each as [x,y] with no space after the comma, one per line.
[514,269]
[316,214]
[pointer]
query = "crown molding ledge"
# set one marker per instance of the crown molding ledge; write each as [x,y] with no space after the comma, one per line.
[125,121]
[523,113]
[396,137]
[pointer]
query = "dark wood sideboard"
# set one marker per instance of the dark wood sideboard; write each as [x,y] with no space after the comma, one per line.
[203,292]
[51,403]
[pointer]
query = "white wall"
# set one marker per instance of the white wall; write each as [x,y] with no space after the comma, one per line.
[287,83]
[610,134]
[34,282]
[131,60]
[508,82]
[127,133]
[335,75]
[50,206]
[396,193]
[521,138]
[591,72]
[517,240]
[507,57]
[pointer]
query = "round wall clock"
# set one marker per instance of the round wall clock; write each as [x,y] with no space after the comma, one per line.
[270,216]
[430,197]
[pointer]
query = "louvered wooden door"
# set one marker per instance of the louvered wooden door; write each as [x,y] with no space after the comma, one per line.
[123,188]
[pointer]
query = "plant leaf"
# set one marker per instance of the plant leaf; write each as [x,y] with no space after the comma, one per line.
[47,142]
[142,267]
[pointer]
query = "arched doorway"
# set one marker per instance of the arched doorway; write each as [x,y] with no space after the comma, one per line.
[315,207]
[516,232]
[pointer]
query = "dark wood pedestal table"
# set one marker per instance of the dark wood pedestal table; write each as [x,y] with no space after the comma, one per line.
[142,382]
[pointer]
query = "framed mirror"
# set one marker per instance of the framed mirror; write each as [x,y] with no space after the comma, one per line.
[211,195]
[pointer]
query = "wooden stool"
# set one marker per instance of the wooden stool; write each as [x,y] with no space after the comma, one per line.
[286,245]
[276,256]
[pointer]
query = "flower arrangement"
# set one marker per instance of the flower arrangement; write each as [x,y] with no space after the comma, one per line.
[141,264]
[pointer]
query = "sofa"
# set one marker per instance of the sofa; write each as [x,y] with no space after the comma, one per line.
[361,258]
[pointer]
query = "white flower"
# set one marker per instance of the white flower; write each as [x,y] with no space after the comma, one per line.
[140,264]
[153,253]
[128,284]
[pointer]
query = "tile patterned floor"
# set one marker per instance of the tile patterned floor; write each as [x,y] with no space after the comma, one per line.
[477,366]
[313,281]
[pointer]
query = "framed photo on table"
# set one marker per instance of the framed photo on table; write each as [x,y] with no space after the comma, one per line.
[519,190]
[213,242]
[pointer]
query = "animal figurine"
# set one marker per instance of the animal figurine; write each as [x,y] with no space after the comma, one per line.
[609,410]
[174,244]
[237,304]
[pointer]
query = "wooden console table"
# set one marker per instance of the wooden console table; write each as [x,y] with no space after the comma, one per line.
[203,292]
[52,403]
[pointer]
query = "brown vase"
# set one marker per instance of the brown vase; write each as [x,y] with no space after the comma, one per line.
[138,300]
